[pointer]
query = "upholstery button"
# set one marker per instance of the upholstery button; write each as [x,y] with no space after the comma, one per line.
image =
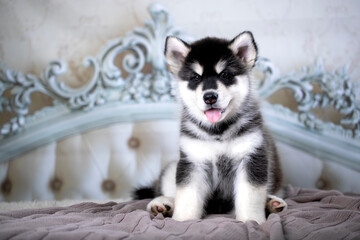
[321,183]
[6,186]
[134,143]
[56,184]
[108,185]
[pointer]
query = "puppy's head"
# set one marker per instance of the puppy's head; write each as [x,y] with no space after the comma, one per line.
[213,74]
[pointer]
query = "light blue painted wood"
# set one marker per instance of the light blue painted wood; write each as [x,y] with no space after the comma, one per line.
[339,143]
[335,87]
[326,145]
[60,122]
[109,83]
[109,97]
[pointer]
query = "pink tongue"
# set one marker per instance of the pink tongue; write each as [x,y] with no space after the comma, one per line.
[213,115]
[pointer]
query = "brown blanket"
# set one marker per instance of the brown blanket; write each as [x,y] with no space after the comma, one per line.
[312,214]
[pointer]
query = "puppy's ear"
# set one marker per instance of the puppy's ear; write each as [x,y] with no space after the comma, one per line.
[176,51]
[244,47]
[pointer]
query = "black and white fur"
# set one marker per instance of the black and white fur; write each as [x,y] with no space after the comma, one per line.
[228,161]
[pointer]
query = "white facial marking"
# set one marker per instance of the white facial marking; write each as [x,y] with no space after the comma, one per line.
[189,99]
[220,66]
[198,69]
[229,98]
[238,92]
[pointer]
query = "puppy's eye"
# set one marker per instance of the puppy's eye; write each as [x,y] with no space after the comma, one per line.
[226,75]
[195,77]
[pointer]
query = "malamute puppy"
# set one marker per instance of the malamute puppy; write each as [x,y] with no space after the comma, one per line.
[228,160]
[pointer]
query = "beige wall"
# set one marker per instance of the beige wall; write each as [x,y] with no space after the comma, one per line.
[291,33]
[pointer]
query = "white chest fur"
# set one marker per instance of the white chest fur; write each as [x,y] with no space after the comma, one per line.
[203,151]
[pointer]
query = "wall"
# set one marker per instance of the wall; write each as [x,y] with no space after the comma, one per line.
[291,33]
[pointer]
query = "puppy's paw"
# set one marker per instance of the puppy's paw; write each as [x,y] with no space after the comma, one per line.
[163,205]
[275,204]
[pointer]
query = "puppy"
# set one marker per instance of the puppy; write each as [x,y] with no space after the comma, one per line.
[228,161]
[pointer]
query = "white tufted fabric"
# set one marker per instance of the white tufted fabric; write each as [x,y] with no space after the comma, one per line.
[100,164]
[108,163]
[304,170]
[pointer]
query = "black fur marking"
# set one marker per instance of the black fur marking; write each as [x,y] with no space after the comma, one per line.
[210,83]
[275,167]
[187,132]
[209,169]
[256,167]
[183,170]
[217,204]
[254,123]
[267,212]
[208,52]
[226,173]
[221,200]
[143,193]
[218,128]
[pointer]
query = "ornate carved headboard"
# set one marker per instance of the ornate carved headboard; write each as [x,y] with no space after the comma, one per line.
[329,156]
[106,98]
[315,88]
[130,95]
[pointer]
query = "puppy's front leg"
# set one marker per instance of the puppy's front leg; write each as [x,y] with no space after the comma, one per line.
[250,199]
[191,192]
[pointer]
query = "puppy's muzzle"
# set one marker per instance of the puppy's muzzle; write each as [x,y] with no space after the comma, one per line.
[210,98]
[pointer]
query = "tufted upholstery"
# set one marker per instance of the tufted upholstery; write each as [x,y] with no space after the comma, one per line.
[103,163]
[303,169]
[109,162]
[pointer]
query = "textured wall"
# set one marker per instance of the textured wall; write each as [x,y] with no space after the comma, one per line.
[291,33]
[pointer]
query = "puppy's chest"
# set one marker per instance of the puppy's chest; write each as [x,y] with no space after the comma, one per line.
[204,151]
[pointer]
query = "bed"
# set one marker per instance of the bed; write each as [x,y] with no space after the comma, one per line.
[70,157]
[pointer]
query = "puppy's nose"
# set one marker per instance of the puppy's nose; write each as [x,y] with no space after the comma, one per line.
[210,97]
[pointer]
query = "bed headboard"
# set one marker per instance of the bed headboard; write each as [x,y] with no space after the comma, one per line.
[131,89]
[108,97]
[315,88]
